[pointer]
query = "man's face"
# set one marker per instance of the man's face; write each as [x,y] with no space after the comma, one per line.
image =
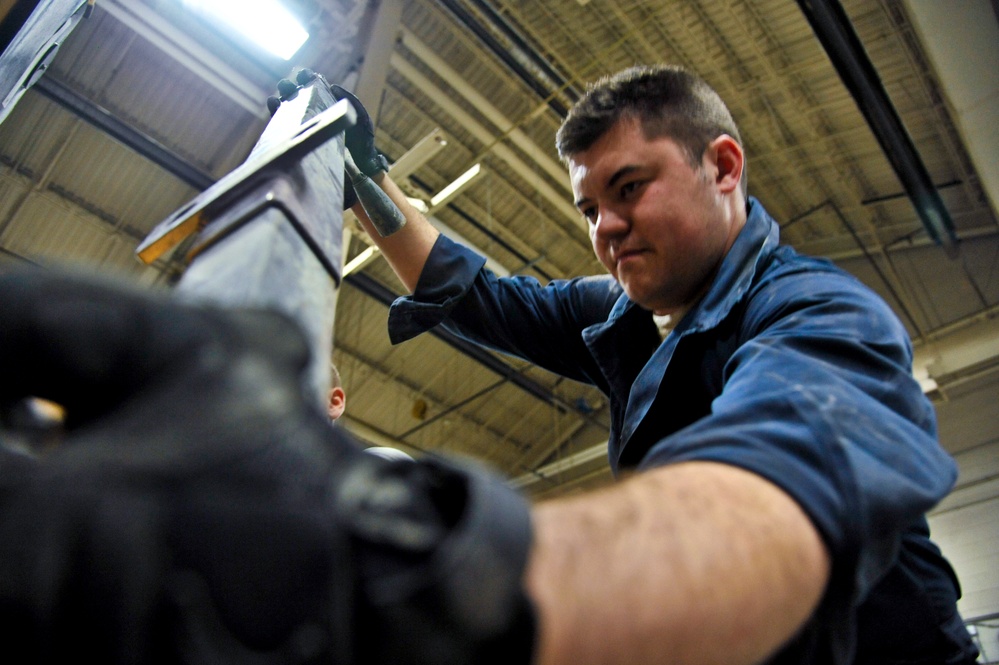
[660,226]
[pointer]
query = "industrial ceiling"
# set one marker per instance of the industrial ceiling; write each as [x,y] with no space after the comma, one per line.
[145,105]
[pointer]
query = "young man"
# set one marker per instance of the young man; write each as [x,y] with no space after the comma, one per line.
[201,510]
[787,456]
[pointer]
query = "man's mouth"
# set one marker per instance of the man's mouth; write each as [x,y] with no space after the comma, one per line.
[623,256]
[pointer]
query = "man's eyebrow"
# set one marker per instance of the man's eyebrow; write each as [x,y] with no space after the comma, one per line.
[620,173]
[628,169]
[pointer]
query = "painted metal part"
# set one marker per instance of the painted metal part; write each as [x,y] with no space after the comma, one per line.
[270,233]
[29,43]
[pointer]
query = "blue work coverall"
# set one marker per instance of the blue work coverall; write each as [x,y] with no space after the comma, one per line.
[787,367]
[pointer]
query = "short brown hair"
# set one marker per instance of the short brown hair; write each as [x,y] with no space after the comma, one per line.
[666,99]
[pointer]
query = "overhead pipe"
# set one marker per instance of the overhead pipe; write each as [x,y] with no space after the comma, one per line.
[526,50]
[834,31]
[502,52]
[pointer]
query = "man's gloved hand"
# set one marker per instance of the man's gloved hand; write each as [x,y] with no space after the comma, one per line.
[359,139]
[199,509]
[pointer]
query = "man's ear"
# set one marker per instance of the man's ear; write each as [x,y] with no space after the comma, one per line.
[337,403]
[729,160]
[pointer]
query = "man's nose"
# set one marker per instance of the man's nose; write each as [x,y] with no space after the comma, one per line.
[610,223]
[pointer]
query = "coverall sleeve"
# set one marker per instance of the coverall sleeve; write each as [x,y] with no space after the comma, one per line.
[819,398]
[515,315]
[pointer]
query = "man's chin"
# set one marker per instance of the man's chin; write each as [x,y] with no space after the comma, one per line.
[639,297]
[653,302]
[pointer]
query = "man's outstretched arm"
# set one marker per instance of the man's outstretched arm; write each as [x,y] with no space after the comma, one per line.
[697,562]
[407,249]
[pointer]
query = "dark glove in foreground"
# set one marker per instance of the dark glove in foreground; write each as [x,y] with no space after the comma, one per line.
[198,510]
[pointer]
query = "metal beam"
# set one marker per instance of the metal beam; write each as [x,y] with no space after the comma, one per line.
[131,137]
[30,36]
[486,136]
[969,84]
[375,67]
[507,128]
[833,29]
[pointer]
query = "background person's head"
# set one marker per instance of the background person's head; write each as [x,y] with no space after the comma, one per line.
[337,400]
[667,100]
[337,404]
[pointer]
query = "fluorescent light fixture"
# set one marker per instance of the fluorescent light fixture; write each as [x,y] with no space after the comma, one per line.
[922,374]
[560,466]
[419,204]
[451,190]
[265,22]
[419,154]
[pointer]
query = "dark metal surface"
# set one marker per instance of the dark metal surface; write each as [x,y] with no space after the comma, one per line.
[275,235]
[279,149]
[32,49]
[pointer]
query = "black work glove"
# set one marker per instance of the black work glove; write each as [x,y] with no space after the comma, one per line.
[197,509]
[359,139]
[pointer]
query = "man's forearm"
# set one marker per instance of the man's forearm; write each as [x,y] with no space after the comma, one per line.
[407,249]
[693,563]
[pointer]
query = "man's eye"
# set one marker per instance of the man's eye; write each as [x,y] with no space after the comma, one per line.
[629,188]
[590,214]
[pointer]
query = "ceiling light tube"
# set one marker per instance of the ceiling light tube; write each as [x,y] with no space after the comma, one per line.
[265,22]
[459,183]
[419,204]
[419,154]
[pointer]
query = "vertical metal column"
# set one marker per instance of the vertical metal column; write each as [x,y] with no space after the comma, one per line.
[270,233]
